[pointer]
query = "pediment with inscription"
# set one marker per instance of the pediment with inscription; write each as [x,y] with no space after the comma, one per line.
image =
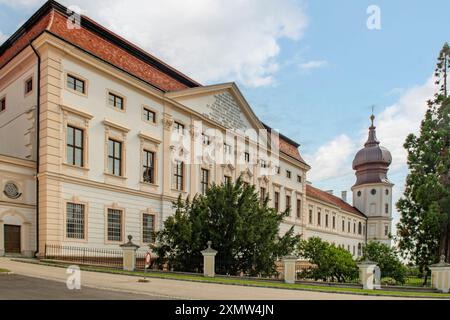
[221,107]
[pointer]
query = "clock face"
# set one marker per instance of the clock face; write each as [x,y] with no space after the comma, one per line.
[12,190]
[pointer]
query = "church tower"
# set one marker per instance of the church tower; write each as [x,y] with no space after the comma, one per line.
[372,192]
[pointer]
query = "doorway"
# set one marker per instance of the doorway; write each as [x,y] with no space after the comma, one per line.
[12,239]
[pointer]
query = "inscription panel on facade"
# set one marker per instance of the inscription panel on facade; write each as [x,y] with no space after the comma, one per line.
[225,111]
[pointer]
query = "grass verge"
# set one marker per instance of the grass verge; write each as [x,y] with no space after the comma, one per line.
[253,283]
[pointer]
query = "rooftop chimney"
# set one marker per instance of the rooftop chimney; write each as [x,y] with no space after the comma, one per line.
[344,196]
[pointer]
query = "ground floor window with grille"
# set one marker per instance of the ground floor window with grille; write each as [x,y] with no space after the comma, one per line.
[115,225]
[148,227]
[75,221]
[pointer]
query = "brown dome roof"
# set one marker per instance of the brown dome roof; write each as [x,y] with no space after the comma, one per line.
[372,162]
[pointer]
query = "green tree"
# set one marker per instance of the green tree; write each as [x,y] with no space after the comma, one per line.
[387,259]
[424,227]
[331,263]
[243,229]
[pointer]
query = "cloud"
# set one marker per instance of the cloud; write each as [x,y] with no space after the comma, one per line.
[22,4]
[394,123]
[397,121]
[313,64]
[211,41]
[332,159]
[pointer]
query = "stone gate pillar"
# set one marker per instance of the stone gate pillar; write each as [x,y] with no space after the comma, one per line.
[209,261]
[129,254]
[366,274]
[440,275]
[289,269]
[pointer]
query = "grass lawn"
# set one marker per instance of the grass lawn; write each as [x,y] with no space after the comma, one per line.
[256,283]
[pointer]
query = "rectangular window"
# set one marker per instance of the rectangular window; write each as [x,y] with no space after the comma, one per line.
[348,227]
[29,85]
[334,222]
[310,216]
[115,101]
[326,221]
[115,157]
[247,157]
[114,225]
[74,147]
[288,202]
[262,194]
[299,208]
[263,163]
[277,169]
[178,175]
[148,227]
[276,200]
[149,115]
[205,181]
[288,174]
[386,230]
[319,218]
[75,221]
[226,148]
[354,227]
[299,179]
[386,208]
[149,167]
[343,226]
[206,140]
[76,84]
[2,104]
[179,128]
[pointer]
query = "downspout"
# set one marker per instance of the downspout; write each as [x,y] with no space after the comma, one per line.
[38,127]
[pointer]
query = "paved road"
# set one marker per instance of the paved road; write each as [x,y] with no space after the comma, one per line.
[173,289]
[17,287]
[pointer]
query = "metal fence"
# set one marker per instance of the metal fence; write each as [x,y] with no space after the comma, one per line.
[110,258]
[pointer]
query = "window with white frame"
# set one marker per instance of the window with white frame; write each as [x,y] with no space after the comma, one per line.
[115,157]
[149,167]
[75,221]
[115,101]
[204,181]
[75,146]
[178,175]
[115,224]
[76,84]
[149,115]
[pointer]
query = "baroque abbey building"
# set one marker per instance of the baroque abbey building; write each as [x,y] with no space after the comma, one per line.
[97,139]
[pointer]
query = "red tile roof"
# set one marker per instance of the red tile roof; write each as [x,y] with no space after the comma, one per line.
[331,199]
[104,44]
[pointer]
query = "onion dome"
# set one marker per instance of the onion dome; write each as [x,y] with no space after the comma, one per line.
[372,162]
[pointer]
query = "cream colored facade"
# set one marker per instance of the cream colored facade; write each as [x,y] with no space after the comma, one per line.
[94,187]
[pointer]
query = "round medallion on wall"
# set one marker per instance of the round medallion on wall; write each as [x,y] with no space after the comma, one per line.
[12,190]
[373,192]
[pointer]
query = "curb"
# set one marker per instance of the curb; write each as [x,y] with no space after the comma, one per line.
[84,268]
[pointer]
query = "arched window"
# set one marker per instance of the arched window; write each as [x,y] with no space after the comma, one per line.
[359,228]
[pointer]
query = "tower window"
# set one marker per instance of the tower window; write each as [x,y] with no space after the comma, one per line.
[386,208]
[386,230]
[373,192]
[359,193]
[387,192]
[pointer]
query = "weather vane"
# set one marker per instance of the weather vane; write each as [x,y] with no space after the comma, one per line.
[372,117]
